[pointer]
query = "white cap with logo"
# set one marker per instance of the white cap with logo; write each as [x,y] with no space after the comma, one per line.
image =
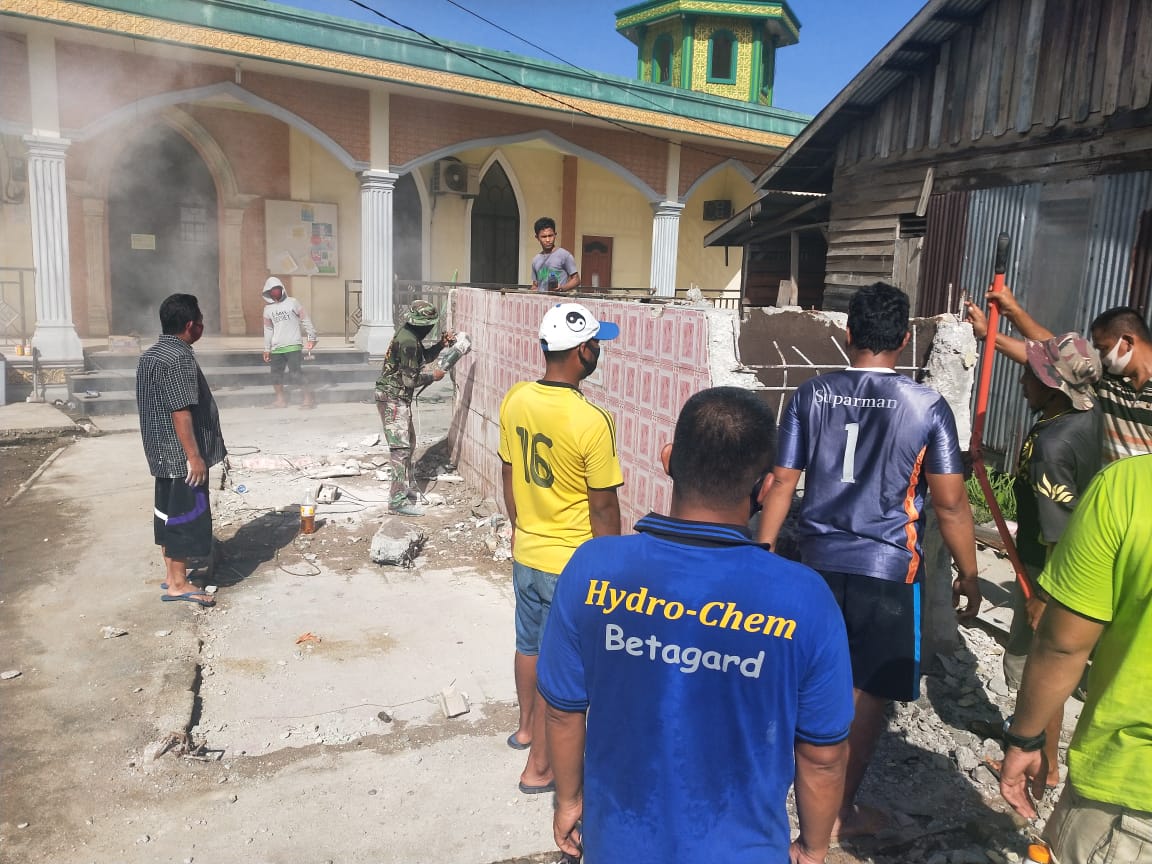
[567,325]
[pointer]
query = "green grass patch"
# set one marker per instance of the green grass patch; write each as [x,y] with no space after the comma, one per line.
[1001,489]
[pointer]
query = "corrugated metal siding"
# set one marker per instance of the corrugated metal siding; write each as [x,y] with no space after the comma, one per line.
[1117,202]
[943,254]
[990,211]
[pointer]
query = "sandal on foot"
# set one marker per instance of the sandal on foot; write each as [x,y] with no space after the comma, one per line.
[191,597]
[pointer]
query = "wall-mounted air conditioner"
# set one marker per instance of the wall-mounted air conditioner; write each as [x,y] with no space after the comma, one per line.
[450,177]
[717,210]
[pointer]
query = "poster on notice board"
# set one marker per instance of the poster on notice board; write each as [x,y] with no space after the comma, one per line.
[301,238]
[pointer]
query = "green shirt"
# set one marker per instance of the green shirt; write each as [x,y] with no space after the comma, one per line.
[1102,569]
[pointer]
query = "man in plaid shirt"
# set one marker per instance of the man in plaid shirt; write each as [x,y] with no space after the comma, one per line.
[180,428]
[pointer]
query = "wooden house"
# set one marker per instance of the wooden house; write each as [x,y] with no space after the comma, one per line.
[1032,117]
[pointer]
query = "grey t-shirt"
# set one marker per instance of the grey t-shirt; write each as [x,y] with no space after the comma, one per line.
[559,263]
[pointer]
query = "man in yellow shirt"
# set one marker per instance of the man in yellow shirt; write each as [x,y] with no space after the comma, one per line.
[560,472]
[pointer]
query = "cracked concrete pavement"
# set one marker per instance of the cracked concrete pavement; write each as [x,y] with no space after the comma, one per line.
[308,770]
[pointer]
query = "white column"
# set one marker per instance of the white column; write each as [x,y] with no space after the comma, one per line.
[665,243]
[377,327]
[231,265]
[96,260]
[55,334]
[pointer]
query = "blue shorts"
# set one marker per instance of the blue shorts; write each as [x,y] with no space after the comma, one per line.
[534,590]
[883,622]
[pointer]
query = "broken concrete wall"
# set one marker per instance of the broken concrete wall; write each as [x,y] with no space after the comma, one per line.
[664,354]
[786,347]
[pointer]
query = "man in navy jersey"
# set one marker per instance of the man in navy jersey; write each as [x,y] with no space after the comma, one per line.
[691,675]
[870,440]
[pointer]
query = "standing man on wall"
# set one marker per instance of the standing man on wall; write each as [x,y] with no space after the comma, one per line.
[288,333]
[180,429]
[560,472]
[870,441]
[1099,579]
[553,268]
[405,369]
[691,675]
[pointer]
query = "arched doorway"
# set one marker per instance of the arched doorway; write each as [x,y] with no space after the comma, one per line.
[162,233]
[407,233]
[495,230]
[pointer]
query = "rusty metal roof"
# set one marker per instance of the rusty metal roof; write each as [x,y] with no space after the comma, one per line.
[807,164]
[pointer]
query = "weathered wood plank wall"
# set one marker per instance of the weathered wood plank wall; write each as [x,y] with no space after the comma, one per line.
[1031,90]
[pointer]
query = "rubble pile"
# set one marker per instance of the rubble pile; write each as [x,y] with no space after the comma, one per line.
[933,774]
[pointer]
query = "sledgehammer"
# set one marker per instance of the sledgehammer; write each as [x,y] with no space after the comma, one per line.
[987,354]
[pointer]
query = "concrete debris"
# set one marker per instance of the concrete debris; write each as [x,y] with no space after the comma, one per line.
[371,440]
[498,536]
[10,674]
[452,702]
[435,499]
[449,478]
[384,475]
[396,542]
[351,468]
[112,632]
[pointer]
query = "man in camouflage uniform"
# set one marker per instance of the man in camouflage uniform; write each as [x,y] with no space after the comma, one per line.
[405,369]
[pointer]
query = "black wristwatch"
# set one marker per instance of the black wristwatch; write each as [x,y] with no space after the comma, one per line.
[1028,745]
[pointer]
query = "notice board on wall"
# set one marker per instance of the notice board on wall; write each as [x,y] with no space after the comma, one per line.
[301,238]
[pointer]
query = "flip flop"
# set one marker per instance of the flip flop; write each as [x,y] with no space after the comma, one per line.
[536,790]
[516,745]
[191,597]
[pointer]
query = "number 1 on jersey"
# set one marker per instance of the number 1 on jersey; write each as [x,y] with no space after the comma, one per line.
[848,474]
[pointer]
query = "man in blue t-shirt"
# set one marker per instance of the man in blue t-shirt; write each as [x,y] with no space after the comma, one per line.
[870,440]
[691,674]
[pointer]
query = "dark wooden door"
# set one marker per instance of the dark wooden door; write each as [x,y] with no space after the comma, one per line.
[595,262]
[495,230]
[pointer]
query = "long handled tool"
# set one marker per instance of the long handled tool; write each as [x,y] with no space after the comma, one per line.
[988,352]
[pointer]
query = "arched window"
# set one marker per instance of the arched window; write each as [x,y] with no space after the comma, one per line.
[662,60]
[722,57]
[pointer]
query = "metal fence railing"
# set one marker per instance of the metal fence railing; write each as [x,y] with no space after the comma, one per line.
[17,300]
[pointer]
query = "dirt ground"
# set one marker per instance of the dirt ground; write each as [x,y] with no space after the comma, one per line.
[313,691]
[20,459]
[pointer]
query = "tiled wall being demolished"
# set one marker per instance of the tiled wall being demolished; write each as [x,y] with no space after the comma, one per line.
[644,377]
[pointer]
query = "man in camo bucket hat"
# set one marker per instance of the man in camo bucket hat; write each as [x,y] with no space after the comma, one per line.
[1066,363]
[405,369]
[1058,459]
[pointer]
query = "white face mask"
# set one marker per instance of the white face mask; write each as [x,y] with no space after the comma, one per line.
[1114,363]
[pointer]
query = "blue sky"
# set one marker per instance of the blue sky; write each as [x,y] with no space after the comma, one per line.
[837,37]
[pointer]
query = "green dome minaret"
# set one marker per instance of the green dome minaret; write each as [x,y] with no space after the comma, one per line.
[719,47]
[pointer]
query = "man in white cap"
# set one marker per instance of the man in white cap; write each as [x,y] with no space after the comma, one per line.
[560,472]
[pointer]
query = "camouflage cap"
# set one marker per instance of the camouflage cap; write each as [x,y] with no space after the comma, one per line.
[1066,363]
[422,313]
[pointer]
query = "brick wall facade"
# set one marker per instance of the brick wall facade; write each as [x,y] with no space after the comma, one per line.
[646,375]
[420,126]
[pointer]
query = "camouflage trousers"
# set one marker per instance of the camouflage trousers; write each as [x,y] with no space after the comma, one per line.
[400,435]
